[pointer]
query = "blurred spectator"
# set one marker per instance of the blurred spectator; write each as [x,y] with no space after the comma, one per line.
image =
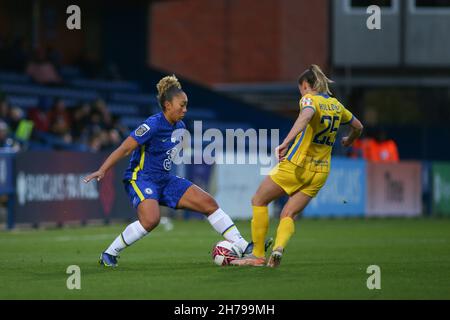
[363,148]
[100,107]
[114,140]
[4,110]
[80,119]
[59,119]
[16,114]
[40,119]
[6,141]
[12,117]
[95,124]
[105,140]
[115,137]
[42,70]
[375,149]
[386,150]
[98,141]
[89,126]
[121,129]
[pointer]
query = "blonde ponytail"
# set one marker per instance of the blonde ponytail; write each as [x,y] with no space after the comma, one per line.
[322,81]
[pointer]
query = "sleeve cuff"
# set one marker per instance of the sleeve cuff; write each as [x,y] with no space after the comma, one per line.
[353,117]
[311,107]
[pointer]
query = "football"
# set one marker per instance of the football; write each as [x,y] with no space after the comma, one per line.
[224,252]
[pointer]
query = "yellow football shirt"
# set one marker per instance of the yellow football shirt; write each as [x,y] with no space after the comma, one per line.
[312,147]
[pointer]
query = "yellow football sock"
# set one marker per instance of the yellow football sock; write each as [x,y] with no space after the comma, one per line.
[260,225]
[285,230]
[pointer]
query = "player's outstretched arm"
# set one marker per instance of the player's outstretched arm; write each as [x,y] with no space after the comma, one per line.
[121,152]
[300,124]
[355,132]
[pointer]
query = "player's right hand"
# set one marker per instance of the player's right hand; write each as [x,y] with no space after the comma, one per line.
[281,151]
[97,175]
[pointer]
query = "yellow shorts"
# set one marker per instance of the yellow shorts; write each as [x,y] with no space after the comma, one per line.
[292,178]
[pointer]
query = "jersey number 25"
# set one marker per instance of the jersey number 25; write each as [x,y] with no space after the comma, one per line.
[324,136]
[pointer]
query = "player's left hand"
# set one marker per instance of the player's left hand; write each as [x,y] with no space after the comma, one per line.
[346,142]
[97,175]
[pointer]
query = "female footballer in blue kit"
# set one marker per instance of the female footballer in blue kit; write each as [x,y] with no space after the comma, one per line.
[148,181]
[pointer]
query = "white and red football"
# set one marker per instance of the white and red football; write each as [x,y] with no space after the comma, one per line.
[224,252]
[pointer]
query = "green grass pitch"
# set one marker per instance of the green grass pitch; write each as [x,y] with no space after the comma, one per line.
[326,259]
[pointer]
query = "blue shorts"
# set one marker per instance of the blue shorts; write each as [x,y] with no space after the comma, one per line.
[166,190]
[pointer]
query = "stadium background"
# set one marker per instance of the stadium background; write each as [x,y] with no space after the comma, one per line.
[238,61]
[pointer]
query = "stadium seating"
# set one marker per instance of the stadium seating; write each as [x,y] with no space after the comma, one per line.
[13,77]
[32,89]
[127,101]
[103,85]
[24,102]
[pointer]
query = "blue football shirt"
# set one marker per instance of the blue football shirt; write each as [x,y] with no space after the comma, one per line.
[156,150]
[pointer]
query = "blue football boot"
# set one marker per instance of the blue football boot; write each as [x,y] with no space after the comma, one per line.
[108,260]
[248,251]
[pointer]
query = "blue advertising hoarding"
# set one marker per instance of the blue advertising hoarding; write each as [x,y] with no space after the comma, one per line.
[6,173]
[344,193]
[56,193]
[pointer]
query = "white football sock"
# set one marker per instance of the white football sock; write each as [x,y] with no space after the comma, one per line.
[132,233]
[223,224]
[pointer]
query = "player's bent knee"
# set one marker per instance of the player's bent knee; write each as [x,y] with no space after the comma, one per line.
[209,205]
[149,221]
[257,201]
[288,213]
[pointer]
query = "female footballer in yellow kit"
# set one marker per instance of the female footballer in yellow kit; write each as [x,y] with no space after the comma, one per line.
[303,168]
